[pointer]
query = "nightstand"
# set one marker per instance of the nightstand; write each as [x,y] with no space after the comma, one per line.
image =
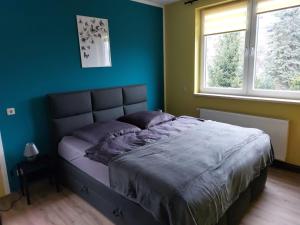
[40,168]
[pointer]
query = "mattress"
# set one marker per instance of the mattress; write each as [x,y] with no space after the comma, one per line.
[72,149]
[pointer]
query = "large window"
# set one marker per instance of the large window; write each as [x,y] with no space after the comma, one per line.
[252,48]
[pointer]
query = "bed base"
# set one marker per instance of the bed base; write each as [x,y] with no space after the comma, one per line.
[122,211]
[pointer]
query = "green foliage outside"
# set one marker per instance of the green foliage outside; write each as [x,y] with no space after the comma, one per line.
[226,70]
[282,64]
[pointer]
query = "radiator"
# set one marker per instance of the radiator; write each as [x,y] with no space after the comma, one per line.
[277,129]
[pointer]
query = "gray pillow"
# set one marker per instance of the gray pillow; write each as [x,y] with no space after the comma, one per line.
[97,132]
[146,119]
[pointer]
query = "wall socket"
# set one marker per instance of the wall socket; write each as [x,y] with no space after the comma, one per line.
[11,111]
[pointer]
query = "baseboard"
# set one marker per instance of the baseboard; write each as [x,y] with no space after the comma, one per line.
[286,166]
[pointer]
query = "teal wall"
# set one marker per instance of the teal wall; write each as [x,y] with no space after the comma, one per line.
[40,55]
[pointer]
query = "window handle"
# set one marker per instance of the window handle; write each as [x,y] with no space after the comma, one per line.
[252,51]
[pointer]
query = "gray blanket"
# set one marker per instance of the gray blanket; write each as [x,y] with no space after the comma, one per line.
[116,143]
[191,176]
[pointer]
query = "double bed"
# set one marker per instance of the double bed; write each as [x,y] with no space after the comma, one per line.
[191,172]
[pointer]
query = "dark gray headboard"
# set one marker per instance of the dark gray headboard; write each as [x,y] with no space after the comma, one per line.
[71,111]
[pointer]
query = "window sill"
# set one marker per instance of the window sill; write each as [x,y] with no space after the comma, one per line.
[251,98]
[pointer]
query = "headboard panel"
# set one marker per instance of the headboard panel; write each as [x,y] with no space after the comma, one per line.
[107,104]
[107,98]
[65,126]
[134,94]
[128,109]
[71,111]
[70,104]
[134,98]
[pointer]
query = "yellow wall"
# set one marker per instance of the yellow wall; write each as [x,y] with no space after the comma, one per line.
[180,70]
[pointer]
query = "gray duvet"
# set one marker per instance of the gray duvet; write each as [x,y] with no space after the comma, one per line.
[186,172]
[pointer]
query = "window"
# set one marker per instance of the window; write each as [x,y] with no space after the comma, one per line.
[224,32]
[252,48]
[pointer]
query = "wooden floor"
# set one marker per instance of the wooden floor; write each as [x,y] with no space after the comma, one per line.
[278,205]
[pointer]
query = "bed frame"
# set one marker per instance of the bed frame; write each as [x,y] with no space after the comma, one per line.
[74,110]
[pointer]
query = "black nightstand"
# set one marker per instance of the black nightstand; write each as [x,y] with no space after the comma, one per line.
[42,167]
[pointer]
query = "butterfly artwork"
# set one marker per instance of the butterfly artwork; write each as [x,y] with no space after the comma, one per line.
[94,42]
[85,55]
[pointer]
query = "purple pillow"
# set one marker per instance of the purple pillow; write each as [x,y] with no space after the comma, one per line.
[97,132]
[146,119]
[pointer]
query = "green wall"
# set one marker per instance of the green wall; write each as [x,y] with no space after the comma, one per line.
[40,55]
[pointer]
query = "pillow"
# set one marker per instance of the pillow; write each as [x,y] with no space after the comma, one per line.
[146,119]
[97,132]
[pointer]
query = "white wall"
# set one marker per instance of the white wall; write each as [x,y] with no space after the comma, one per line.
[3,169]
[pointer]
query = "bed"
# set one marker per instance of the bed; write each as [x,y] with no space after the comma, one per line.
[99,184]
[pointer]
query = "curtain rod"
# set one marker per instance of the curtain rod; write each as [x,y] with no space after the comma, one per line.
[190,2]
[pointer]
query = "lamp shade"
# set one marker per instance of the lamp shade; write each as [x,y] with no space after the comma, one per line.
[31,150]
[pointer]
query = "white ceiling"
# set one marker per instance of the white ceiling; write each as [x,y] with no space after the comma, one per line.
[163,2]
[159,3]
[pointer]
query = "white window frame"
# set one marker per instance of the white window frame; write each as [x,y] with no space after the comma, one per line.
[217,90]
[249,64]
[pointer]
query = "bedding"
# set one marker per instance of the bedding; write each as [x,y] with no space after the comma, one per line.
[115,145]
[185,171]
[73,149]
[146,119]
[96,132]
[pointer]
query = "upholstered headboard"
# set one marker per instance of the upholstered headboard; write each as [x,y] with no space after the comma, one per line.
[71,111]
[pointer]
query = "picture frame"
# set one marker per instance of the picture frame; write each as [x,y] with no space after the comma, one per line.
[94,42]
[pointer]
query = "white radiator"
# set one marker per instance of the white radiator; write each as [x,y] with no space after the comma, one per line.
[277,129]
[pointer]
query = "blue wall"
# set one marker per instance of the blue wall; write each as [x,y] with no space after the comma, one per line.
[40,55]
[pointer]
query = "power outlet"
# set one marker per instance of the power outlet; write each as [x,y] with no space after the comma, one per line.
[11,111]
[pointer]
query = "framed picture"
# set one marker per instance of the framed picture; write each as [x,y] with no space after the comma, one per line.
[93,34]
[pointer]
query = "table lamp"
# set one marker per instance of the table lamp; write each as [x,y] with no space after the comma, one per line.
[31,151]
